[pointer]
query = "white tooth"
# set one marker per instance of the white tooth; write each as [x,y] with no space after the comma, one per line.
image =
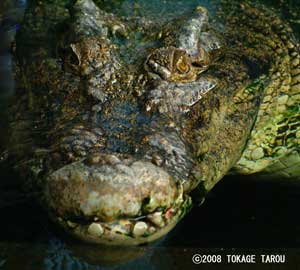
[139,229]
[157,219]
[71,224]
[152,230]
[95,229]
[120,229]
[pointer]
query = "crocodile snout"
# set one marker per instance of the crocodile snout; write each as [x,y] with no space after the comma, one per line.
[111,190]
[106,187]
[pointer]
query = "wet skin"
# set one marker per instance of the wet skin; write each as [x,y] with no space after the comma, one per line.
[115,147]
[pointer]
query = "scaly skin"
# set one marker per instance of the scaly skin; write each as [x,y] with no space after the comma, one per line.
[115,134]
[273,148]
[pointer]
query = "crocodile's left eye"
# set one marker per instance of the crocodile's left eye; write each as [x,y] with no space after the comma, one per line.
[182,65]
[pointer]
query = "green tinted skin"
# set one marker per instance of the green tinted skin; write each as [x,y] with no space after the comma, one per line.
[115,131]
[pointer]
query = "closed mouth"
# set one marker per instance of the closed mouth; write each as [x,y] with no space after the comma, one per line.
[128,231]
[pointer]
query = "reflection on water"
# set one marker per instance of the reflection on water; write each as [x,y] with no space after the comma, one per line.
[238,212]
[244,214]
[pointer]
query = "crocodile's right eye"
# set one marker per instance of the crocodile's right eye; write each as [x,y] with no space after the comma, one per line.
[71,56]
[73,59]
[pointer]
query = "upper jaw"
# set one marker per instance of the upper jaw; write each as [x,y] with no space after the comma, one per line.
[105,199]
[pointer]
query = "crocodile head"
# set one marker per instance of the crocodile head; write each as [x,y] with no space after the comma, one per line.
[121,146]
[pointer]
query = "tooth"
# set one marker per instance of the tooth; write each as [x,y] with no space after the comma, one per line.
[95,229]
[71,224]
[157,219]
[139,229]
[125,223]
[169,213]
[120,229]
[152,230]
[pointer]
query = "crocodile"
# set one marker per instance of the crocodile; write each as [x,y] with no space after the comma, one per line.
[119,123]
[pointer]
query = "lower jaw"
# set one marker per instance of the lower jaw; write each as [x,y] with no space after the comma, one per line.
[126,234]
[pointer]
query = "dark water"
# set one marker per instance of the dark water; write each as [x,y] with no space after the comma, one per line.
[240,215]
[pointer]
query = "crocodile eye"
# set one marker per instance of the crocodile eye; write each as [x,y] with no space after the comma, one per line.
[182,65]
[72,57]
[74,60]
[71,61]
